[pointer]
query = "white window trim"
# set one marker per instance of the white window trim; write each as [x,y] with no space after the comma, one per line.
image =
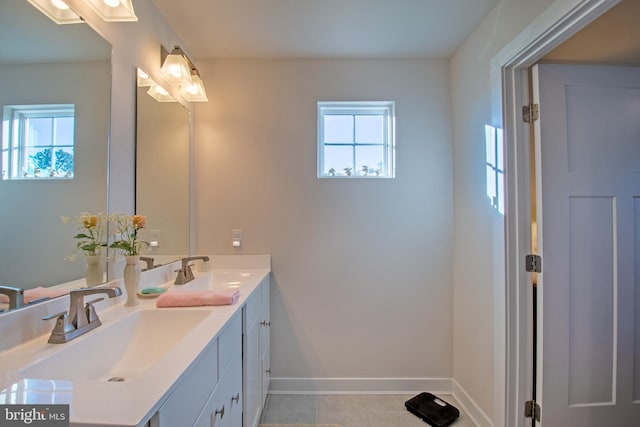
[386,108]
[13,114]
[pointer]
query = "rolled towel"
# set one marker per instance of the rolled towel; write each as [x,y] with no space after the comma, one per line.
[197,298]
[36,294]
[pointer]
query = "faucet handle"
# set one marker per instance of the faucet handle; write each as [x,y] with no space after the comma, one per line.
[63,326]
[53,316]
[188,271]
[180,278]
[92,316]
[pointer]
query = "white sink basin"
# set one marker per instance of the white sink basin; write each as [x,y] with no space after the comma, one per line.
[119,351]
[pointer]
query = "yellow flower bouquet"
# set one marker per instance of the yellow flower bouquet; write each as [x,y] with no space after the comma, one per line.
[92,232]
[127,227]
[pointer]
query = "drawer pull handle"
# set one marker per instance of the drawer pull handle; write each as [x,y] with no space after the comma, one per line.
[268,371]
[236,398]
[220,412]
[265,323]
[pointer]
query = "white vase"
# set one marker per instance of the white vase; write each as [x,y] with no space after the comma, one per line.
[132,279]
[94,273]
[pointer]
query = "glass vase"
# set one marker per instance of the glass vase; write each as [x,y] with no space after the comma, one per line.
[94,273]
[132,279]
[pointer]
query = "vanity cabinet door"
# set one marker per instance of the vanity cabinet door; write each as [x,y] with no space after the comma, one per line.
[224,407]
[266,375]
[265,338]
[190,395]
[252,374]
[256,353]
[231,393]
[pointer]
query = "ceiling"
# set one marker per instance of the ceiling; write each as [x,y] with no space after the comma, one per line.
[323,28]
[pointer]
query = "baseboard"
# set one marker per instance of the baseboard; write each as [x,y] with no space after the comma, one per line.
[469,406]
[281,385]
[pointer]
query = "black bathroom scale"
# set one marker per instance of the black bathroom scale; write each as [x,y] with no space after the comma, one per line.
[432,410]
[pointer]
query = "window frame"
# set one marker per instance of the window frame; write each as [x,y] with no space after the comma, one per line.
[359,108]
[14,138]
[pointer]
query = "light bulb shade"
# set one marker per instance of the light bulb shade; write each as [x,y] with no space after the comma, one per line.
[58,11]
[144,80]
[113,10]
[194,91]
[160,94]
[176,69]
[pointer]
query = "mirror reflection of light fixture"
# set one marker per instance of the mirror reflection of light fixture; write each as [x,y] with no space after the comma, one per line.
[176,67]
[144,80]
[113,10]
[57,10]
[194,91]
[160,94]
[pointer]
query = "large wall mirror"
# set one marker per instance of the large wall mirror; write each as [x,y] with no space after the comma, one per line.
[162,175]
[44,64]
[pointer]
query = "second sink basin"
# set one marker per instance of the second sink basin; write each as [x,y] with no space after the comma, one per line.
[120,351]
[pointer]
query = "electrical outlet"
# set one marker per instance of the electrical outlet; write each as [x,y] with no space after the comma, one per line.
[236,238]
[154,238]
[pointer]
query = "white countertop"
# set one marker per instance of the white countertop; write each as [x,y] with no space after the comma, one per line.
[133,402]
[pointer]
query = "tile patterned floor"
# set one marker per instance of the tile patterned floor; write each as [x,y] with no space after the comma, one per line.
[348,410]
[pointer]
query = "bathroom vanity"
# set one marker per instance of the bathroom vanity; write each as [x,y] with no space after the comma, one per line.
[157,367]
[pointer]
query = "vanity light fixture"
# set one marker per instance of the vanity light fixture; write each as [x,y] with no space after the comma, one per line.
[160,94]
[144,80]
[57,10]
[113,10]
[194,91]
[176,67]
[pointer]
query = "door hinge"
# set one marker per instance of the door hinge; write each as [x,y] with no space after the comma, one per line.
[533,263]
[530,113]
[532,410]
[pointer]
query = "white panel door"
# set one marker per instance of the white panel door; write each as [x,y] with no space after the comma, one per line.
[588,176]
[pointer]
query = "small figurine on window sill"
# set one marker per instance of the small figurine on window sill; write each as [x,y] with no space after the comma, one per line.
[347,171]
[332,172]
[365,170]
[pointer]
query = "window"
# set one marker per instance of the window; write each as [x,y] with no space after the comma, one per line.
[495,167]
[38,141]
[356,139]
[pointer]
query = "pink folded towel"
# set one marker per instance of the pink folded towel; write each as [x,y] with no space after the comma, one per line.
[37,293]
[197,298]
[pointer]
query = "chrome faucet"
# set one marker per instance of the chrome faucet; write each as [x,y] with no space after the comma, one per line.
[82,317]
[185,274]
[16,296]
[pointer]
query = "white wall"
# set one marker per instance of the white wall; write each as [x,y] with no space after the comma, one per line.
[479,231]
[362,282]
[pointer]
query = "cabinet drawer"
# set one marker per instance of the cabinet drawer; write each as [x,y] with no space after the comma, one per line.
[190,395]
[229,341]
[253,307]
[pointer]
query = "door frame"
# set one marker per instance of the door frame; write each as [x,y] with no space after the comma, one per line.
[510,90]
